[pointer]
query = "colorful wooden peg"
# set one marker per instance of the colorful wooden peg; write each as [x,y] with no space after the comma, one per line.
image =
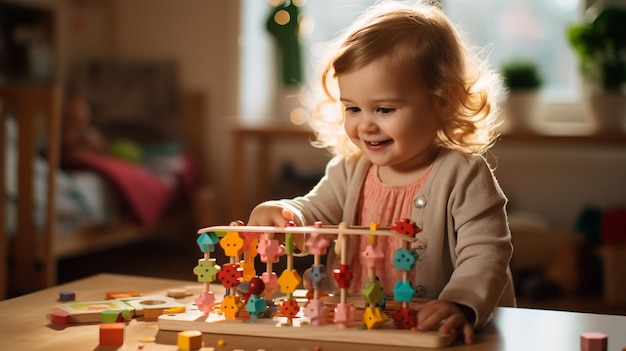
[231,306]
[232,244]
[230,275]
[271,281]
[343,315]
[289,308]
[289,281]
[206,241]
[316,275]
[206,270]
[372,292]
[205,301]
[403,291]
[343,276]
[405,318]
[406,227]
[374,317]
[317,243]
[404,259]
[270,250]
[316,311]
[372,255]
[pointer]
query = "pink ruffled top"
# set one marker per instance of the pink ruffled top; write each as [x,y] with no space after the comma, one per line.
[384,204]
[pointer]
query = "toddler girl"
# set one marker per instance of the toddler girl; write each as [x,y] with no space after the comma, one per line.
[418,116]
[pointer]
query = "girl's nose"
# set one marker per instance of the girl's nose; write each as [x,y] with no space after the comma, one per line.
[367,124]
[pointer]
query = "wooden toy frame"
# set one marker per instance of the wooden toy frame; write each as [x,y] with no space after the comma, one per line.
[330,318]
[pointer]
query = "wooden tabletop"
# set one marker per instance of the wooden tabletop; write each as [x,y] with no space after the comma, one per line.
[26,325]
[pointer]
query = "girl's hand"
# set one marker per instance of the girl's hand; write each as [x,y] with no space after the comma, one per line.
[273,215]
[270,214]
[445,316]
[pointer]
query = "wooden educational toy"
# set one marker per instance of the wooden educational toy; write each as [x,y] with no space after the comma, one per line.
[150,307]
[251,306]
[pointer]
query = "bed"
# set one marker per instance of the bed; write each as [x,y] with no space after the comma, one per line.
[90,202]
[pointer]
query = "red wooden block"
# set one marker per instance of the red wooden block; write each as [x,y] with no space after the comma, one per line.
[112,334]
[60,317]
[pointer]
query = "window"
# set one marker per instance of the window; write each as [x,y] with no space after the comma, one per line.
[533,29]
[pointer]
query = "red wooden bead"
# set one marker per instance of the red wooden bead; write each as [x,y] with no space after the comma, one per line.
[405,318]
[406,227]
[230,275]
[343,276]
[256,286]
[289,308]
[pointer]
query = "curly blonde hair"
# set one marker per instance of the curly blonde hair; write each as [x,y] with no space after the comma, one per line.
[420,41]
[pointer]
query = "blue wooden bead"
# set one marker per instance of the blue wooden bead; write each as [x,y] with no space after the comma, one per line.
[206,241]
[255,306]
[403,291]
[317,274]
[404,259]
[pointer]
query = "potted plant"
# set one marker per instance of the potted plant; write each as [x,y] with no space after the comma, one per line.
[600,44]
[523,82]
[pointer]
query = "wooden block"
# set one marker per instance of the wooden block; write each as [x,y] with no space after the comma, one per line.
[111,316]
[112,334]
[593,341]
[90,311]
[109,295]
[177,293]
[60,317]
[189,340]
[67,295]
[153,312]
[140,304]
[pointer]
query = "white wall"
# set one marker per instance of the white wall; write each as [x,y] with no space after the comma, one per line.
[557,180]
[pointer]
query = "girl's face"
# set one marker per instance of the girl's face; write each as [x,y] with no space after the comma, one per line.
[391,119]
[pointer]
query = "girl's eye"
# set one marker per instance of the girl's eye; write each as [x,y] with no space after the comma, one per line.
[385,110]
[352,109]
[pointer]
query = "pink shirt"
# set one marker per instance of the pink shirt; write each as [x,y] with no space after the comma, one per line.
[384,205]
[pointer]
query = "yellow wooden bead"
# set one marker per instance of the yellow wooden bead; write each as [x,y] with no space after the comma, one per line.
[289,281]
[248,270]
[232,244]
[231,306]
[374,317]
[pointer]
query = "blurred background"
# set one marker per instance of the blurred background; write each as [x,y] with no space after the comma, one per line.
[201,98]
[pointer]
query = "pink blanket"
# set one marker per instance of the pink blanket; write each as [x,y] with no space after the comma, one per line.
[146,197]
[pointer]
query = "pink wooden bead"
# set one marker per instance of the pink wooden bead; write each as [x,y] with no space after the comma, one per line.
[205,302]
[317,311]
[343,315]
[593,341]
[270,250]
[317,243]
[271,281]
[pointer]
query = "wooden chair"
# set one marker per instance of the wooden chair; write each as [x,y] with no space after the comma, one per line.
[26,257]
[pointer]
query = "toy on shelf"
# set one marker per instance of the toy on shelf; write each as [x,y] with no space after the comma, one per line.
[250,299]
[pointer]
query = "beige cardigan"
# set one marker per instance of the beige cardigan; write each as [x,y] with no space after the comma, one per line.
[465,245]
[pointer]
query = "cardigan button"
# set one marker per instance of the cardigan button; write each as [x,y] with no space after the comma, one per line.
[420,202]
[420,291]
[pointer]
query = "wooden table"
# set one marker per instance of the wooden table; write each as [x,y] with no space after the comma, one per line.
[26,325]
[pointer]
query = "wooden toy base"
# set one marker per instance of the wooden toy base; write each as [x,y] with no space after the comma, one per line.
[194,319]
